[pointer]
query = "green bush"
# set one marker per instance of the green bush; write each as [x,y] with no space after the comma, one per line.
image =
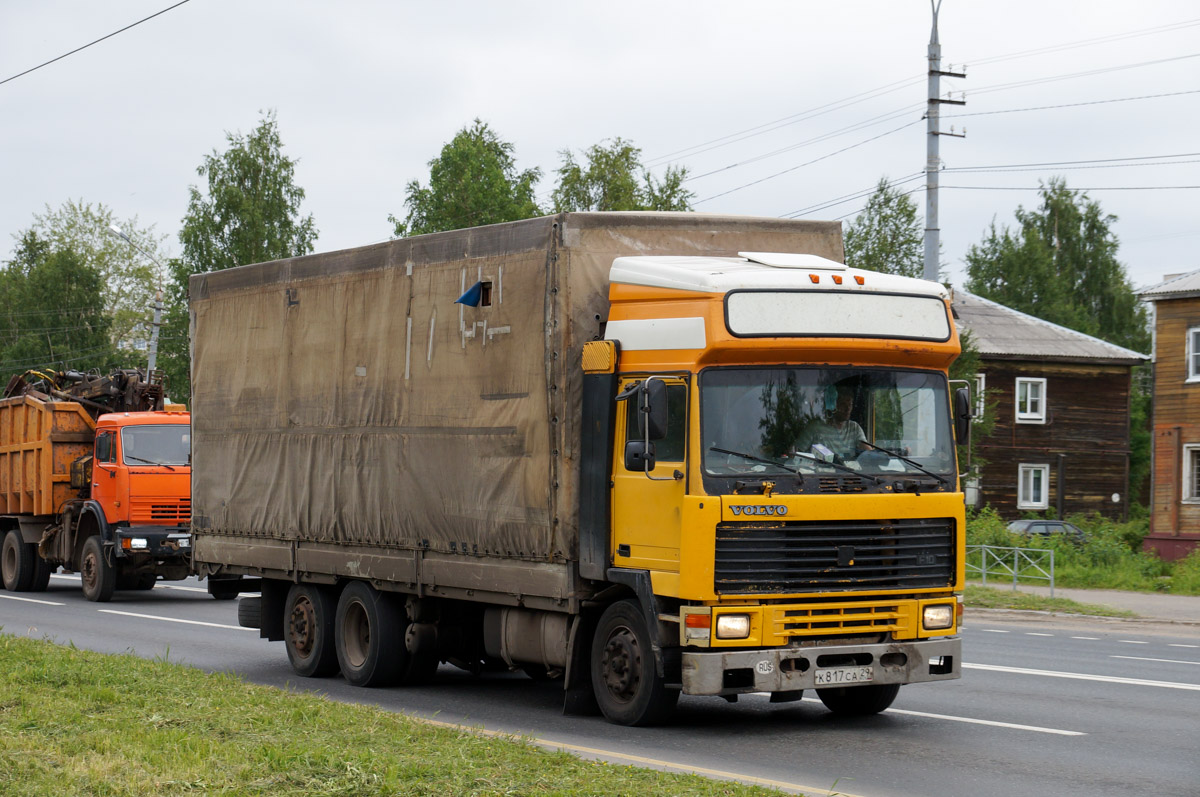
[1185,575]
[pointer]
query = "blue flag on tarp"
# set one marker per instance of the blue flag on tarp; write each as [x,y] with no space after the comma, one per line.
[472,296]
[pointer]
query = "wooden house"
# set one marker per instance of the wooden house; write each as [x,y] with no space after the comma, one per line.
[1175,473]
[1060,402]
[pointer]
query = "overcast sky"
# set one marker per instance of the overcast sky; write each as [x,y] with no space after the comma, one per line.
[740,93]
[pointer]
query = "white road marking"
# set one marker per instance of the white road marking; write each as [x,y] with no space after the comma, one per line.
[175,620]
[1111,679]
[994,631]
[32,600]
[652,762]
[1133,642]
[185,589]
[1176,645]
[968,720]
[1089,638]
[1035,633]
[1165,661]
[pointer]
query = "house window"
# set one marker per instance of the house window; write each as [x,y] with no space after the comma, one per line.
[1191,473]
[980,384]
[1033,487]
[1031,400]
[1193,354]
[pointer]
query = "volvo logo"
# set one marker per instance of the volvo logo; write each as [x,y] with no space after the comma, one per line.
[760,509]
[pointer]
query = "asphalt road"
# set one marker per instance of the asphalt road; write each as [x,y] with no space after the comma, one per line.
[1071,708]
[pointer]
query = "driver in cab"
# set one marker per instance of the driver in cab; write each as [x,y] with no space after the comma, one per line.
[836,432]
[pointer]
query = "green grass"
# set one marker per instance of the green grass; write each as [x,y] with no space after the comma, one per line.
[988,598]
[77,722]
[1111,557]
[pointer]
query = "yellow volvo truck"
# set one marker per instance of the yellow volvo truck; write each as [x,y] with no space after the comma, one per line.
[650,454]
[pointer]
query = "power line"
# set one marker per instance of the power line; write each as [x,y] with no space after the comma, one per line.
[852,196]
[809,163]
[964,170]
[1068,163]
[1054,48]
[1101,188]
[89,44]
[1088,73]
[1074,104]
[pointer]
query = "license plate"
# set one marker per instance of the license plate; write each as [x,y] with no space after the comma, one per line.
[843,675]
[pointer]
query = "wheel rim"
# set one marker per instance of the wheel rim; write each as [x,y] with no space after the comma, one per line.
[621,664]
[89,572]
[9,567]
[302,627]
[356,637]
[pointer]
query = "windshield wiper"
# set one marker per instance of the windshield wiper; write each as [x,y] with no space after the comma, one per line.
[754,458]
[150,462]
[903,458]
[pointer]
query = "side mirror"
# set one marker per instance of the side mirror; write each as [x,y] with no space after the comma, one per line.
[652,406]
[962,415]
[638,458]
[104,448]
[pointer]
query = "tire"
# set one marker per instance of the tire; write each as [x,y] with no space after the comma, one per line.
[98,576]
[370,636]
[42,572]
[624,677]
[250,612]
[308,626]
[17,562]
[859,701]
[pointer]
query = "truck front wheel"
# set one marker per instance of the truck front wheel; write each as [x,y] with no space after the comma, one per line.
[18,563]
[624,677]
[308,630]
[369,631]
[859,701]
[98,576]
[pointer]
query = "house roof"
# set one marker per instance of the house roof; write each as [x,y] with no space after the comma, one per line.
[1000,332]
[1183,286]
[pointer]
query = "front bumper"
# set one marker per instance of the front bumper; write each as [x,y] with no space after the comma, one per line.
[795,668]
[161,543]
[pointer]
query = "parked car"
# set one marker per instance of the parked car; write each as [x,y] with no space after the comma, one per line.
[1046,528]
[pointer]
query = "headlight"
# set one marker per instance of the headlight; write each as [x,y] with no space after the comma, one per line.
[938,616]
[138,544]
[733,626]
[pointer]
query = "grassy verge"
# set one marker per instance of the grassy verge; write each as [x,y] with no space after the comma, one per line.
[988,598]
[77,722]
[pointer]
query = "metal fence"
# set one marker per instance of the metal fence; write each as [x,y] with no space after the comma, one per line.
[1015,564]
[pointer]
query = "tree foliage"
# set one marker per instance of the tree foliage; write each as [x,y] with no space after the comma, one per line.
[1060,264]
[52,312]
[473,181]
[129,280]
[249,213]
[887,236]
[612,178]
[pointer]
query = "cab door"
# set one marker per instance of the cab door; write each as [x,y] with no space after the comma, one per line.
[647,505]
[108,482]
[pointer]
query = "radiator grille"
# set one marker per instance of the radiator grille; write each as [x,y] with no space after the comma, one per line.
[837,555]
[166,511]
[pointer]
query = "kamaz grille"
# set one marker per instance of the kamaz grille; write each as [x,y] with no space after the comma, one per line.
[167,511]
[838,555]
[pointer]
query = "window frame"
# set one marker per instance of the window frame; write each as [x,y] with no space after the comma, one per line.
[1028,416]
[980,391]
[1023,501]
[1191,479]
[1191,352]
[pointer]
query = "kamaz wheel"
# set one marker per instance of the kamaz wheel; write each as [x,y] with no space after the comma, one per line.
[859,701]
[369,631]
[98,576]
[308,625]
[17,562]
[624,676]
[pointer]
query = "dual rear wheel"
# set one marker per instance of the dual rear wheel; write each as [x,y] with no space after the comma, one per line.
[21,569]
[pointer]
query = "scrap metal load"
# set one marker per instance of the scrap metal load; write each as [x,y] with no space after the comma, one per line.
[126,390]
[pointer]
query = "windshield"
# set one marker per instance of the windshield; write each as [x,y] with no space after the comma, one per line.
[156,445]
[874,422]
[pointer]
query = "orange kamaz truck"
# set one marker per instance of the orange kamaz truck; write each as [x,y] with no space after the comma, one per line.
[649,454]
[95,478]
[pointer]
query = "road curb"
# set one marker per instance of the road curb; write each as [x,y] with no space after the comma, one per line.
[1029,613]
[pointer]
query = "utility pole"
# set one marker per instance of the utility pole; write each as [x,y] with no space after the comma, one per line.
[154,332]
[932,158]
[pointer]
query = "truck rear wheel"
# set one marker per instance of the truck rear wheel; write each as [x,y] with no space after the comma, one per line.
[369,631]
[98,576]
[859,701]
[624,677]
[308,623]
[18,562]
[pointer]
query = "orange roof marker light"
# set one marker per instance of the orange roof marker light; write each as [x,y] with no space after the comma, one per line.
[837,279]
[814,278]
[859,280]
